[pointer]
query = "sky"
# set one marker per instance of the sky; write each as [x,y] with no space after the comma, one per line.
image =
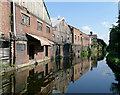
[87,16]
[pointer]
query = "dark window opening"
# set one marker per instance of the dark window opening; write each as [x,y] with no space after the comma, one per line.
[68,38]
[31,51]
[25,19]
[40,48]
[48,29]
[46,69]
[46,50]
[75,37]
[39,26]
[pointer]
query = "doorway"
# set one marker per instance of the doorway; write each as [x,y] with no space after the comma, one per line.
[46,69]
[46,50]
[31,51]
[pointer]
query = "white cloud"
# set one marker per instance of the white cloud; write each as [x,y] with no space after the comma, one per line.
[115,24]
[106,24]
[86,28]
[105,37]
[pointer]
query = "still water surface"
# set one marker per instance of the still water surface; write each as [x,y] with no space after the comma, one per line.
[79,75]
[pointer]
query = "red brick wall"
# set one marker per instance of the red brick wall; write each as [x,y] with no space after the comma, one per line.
[5,12]
[21,56]
[77,33]
[85,41]
[23,29]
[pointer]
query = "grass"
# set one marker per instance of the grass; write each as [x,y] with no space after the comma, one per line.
[113,59]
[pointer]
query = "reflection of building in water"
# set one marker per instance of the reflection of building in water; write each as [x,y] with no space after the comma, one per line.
[80,68]
[27,80]
[45,78]
[93,62]
[15,83]
[37,79]
[62,79]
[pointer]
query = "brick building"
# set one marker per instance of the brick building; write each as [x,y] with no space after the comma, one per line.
[5,28]
[61,36]
[93,41]
[80,41]
[80,68]
[86,41]
[31,30]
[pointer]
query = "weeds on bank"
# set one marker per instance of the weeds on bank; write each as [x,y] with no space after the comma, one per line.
[111,58]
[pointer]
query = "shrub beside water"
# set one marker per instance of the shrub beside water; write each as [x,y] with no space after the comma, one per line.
[113,59]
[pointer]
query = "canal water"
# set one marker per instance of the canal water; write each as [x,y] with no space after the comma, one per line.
[78,75]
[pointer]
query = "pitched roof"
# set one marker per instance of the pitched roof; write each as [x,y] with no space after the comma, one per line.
[56,21]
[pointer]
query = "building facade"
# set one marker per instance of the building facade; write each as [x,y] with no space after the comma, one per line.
[30,31]
[93,41]
[61,36]
[80,41]
[5,28]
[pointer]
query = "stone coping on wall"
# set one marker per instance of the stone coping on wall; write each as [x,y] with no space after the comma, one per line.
[30,63]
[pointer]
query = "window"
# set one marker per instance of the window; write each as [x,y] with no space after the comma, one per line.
[75,37]
[75,71]
[62,38]
[25,19]
[68,38]
[78,69]
[48,29]
[54,28]
[78,38]
[39,26]
[53,37]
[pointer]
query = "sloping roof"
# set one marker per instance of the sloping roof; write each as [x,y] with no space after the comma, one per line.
[46,9]
[56,21]
[43,41]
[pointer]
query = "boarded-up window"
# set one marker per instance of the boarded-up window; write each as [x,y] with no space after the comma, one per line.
[20,47]
[39,26]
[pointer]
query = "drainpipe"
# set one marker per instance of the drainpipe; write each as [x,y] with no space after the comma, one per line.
[14,25]
[13,34]
[14,18]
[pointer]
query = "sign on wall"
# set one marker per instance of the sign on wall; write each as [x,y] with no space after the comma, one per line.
[20,47]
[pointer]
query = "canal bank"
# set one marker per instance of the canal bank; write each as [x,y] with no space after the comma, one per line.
[30,63]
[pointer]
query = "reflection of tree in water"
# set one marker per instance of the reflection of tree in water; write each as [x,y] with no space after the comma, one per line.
[94,61]
[115,87]
[101,56]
